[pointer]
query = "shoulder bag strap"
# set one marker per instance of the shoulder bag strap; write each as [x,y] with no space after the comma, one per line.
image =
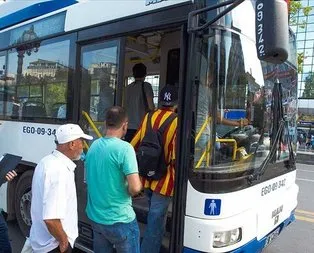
[145,98]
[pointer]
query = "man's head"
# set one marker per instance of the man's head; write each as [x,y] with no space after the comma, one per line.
[168,96]
[139,71]
[69,140]
[117,121]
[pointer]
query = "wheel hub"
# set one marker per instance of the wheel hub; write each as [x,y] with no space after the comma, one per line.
[25,207]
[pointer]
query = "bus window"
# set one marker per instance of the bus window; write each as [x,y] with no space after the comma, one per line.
[99,68]
[235,117]
[39,79]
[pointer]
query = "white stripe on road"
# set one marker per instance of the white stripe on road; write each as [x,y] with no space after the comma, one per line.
[306,170]
[304,179]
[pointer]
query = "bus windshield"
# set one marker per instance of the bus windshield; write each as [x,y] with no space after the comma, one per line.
[237,114]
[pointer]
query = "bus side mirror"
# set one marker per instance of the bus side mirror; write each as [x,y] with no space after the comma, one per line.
[272,31]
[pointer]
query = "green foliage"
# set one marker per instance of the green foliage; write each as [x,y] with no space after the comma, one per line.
[300,62]
[309,87]
[295,8]
[56,93]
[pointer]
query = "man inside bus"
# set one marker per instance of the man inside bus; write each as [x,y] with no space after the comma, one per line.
[112,178]
[4,237]
[138,99]
[159,192]
[54,201]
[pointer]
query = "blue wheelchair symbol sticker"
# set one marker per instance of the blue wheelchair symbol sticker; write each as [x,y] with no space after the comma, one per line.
[212,207]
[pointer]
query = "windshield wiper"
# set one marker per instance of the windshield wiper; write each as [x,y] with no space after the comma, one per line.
[277,130]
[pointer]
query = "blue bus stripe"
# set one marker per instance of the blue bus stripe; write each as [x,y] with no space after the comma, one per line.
[33,11]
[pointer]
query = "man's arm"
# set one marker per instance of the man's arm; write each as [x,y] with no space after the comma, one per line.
[135,142]
[229,122]
[135,185]
[56,230]
[149,96]
[150,103]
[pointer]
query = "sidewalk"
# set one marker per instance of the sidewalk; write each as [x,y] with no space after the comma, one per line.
[305,155]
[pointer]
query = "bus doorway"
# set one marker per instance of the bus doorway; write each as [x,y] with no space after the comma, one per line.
[159,51]
[105,72]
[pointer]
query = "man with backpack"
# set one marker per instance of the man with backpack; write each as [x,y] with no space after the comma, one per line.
[154,143]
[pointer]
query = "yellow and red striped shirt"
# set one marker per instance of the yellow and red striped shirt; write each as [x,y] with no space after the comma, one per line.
[165,185]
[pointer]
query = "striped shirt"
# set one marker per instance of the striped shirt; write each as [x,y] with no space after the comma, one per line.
[165,185]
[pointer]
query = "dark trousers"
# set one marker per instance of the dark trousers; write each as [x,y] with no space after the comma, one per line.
[57,250]
[5,246]
[129,135]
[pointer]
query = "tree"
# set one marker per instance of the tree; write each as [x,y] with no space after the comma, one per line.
[309,86]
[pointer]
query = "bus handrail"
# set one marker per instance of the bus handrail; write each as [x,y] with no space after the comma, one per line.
[91,123]
[207,121]
[235,146]
[234,152]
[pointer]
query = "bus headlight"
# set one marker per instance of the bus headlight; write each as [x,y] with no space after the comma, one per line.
[227,238]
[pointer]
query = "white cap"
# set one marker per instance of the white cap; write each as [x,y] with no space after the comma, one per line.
[70,132]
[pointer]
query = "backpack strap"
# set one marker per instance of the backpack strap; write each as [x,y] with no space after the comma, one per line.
[145,98]
[167,122]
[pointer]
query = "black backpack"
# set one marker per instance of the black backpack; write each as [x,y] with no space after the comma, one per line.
[150,153]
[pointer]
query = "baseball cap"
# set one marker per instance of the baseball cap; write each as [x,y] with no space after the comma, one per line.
[70,132]
[168,96]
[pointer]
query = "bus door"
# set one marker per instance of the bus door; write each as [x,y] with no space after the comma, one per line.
[98,84]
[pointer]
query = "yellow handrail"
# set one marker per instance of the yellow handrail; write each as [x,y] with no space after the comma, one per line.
[207,121]
[235,146]
[92,124]
[85,145]
[206,152]
[207,149]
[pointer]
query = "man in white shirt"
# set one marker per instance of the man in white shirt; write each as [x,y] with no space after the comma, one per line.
[54,202]
[138,100]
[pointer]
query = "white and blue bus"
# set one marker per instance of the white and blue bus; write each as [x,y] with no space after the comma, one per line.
[67,61]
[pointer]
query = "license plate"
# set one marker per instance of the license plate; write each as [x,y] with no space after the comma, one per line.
[272,237]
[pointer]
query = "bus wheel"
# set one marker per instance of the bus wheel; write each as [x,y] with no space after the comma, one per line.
[23,198]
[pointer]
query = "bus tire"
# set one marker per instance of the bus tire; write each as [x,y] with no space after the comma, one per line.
[23,198]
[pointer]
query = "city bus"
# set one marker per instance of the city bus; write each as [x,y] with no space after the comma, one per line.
[68,61]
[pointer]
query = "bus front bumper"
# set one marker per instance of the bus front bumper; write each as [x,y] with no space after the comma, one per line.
[256,246]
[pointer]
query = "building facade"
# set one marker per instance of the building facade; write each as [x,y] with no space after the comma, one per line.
[303,26]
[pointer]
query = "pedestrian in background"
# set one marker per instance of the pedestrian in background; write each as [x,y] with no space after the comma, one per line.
[112,178]
[54,201]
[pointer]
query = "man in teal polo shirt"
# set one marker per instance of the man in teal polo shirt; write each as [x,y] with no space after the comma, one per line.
[112,178]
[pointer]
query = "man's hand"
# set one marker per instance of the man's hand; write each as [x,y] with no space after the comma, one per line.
[10,175]
[56,230]
[63,246]
[245,122]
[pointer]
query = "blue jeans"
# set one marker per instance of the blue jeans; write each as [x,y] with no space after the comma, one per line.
[125,237]
[5,246]
[156,222]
